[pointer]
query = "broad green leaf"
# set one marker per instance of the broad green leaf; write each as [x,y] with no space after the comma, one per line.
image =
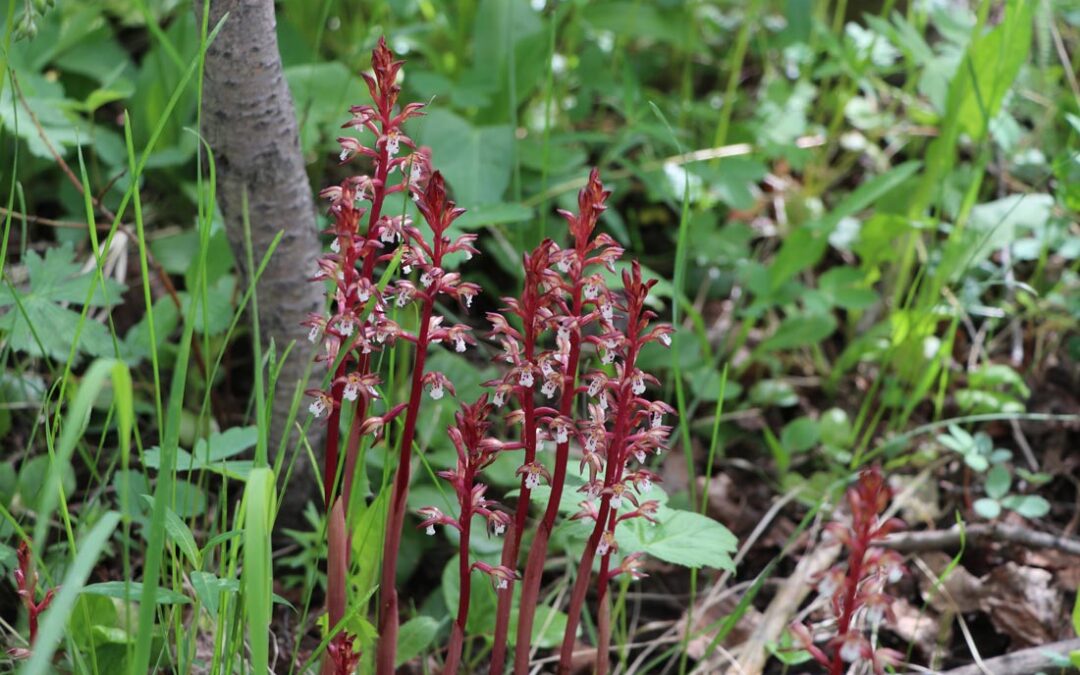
[414,636]
[180,534]
[800,331]
[56,279]
[987,508]
[1028,506]
[494,214]
[998,482]
[208,589]
[800,434]
[993,62]
[681,537]
[476,161]
[130,590]
[549,625]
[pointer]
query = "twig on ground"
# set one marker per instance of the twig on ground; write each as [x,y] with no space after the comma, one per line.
[936,540]
[1025,661]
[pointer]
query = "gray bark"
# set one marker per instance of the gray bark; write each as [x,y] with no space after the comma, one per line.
[250,123]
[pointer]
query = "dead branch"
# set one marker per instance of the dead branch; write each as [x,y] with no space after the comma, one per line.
[937,540]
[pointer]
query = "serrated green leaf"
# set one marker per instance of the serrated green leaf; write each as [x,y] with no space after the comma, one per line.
[681,537]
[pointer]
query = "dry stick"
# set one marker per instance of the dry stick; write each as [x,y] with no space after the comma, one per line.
[719,589]
[1024,662]
[166,282]
[49,222]
[936,540]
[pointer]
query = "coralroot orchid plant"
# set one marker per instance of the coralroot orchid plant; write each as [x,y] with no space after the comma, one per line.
[856,590]
[26,581]
[565,313]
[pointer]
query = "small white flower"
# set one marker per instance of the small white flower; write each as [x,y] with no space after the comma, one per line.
[639,455]
[546,369]
[665,339]
[895,573]
[392,144]
[606,311]
[563,265]
[602,402]
[549,388]
[874,615]
[526,378]
[313,334]
[638,385]
[459,344]
[430,530]
[602,548]
[594,386]
[335,245]
[426,279]
[344,155]
[590,443]
[387,236]
[616,501]
[415,172]
[363,294]
[564,334]
[317,407]
[345,326]
[499,528]
[607,357]
[532,480]
[850,651]
[468,299]
[406,269]
[591,290]
[352,390]
[437,391]
[499,399]
[561,434]
[646,484]
[657,420]
[501,583]
[468,254]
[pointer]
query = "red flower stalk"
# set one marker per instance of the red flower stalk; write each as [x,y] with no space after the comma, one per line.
[527,369]
[475,452]
[858,589]
[359,321]
[439,212]
[573,317]
[351,263]
[636,430]
[26,579]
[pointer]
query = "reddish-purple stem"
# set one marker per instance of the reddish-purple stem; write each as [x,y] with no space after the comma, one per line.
[388,619]
[457,631]
[534,566]
[512,544]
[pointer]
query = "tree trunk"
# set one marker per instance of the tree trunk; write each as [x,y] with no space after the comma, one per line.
[250,122]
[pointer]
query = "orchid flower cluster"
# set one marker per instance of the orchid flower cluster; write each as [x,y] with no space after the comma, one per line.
[360,322]
[26,578]
[856,590]
[566,311]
